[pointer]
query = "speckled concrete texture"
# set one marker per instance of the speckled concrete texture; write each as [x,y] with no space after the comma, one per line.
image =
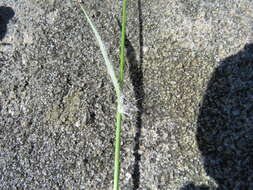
[189,74]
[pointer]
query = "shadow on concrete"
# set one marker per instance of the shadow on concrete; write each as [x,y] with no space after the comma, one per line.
[225,124]
[136,76]
[6,13]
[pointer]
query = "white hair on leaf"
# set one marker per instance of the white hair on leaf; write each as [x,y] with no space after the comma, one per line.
[125,106]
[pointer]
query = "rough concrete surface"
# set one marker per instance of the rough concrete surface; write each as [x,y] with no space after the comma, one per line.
[189,74]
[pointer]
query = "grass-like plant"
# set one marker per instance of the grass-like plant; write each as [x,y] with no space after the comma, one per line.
[118,85]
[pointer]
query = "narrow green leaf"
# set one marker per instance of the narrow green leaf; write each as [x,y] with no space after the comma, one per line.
[108,63]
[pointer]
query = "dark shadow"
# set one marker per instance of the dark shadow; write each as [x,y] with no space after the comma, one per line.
[191,186]
[136,75]
[225,123]
[6,13]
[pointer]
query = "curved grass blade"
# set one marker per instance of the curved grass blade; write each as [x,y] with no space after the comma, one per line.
[117,86]
[108,63]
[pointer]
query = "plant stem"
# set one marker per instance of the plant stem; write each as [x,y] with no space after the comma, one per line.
[122,44]
[119,115]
